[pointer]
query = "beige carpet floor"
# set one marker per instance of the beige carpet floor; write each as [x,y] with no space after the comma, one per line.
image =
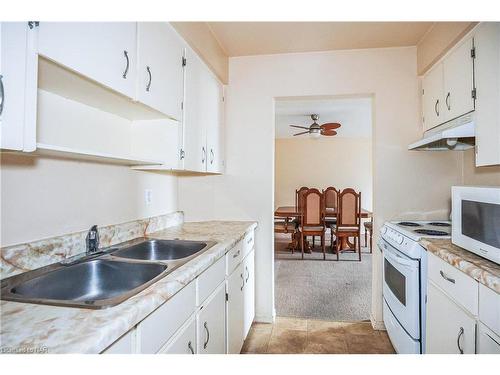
[322,289]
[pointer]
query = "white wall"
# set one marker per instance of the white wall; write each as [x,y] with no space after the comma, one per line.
[405,184]
[327,161]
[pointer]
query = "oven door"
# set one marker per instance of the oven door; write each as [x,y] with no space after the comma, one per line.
[402,288]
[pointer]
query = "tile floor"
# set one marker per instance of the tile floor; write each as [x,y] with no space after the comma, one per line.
[306,336]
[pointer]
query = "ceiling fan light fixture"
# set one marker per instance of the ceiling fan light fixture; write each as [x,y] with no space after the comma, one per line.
[314,133]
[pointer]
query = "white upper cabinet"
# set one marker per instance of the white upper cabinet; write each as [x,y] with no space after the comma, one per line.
[160,71]
[459,81]
[432,100]
[215,127]
[18,74]
[487,77]
[448,86]
[195,136]
[102,51]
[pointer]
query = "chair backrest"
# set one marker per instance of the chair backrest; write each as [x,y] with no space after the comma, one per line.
[330,197]
[349,208]
[299,195]
[313,208]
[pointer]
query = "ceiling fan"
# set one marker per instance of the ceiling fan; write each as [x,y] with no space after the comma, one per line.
[315,130]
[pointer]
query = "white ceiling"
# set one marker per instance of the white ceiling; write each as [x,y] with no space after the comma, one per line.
[258,38]
[354,114]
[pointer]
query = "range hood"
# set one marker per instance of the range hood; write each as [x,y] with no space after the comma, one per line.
[455,135]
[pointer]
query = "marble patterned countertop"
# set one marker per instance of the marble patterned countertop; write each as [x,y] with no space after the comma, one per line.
[480,269]
[28,328]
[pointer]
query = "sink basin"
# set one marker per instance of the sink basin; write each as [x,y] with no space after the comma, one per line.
[161,250]
[96,283]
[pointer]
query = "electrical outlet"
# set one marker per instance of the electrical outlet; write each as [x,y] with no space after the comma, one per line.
[148,196]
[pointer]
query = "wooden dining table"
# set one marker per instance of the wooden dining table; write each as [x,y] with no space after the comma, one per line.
[291,212]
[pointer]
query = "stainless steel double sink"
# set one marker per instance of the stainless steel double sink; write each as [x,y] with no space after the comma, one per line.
[105,279]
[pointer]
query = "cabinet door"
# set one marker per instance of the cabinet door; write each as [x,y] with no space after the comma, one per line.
[215,127]
[211,323]
[194,122]
[487,341]
[249,292]
[450,329]
[184,341]
[432,100]
[18,82]
[487,77]
[235,311]
[102,51]
[458,81]
[160,71]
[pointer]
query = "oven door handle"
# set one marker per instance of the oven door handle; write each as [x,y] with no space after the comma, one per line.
[396,258]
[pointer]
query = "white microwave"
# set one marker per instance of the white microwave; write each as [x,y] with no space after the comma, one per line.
[476,220]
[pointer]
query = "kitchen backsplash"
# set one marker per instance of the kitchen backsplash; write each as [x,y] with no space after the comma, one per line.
[28,256]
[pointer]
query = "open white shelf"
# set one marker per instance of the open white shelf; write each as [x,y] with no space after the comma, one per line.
[71,153]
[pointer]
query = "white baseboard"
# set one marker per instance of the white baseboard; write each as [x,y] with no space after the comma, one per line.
[377,325]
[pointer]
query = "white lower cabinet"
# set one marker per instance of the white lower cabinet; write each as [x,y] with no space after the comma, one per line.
[249,292]
[210,323]
[450,329]
[235,310]
[124,345]
[487,341]
[184,341]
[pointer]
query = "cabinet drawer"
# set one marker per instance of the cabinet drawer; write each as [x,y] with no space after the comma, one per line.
[210,279]
[234,257]
[487,341]
[462,288]
[124,345]
[489,308]
[248,243]
[160,325]
[184,341]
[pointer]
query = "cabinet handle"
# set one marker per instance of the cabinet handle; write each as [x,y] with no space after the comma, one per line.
[235,255]
[248,274]
[447,101]
[208,335]
[125,53]
[204,154]
[2,94]
[190,347]
[446,277]
[148,86]
[242,281]
[436,107]
[460,334]
[212,156]
[249,240]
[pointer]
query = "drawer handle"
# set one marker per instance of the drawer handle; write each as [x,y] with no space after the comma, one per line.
[249,240]
[460,334]
[248,274]
[237,254]
[446,277]
[208,335]
[2,94]
[125,53]
[190,347]
[242,281]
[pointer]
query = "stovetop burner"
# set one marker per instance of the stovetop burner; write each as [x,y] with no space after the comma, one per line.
[430,232]
[438,224]
[409,224]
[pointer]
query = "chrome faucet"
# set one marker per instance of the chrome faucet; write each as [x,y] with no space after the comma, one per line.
[92,240]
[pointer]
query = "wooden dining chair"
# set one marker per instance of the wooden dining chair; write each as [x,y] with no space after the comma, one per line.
[330,195]
[312,223]
[348,220]
[369,229]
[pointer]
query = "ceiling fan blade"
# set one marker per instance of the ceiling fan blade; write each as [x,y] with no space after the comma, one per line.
[301,133]
[328,133]
[300,127]
[330,126]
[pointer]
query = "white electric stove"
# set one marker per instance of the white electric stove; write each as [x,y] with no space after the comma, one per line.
[404,280]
